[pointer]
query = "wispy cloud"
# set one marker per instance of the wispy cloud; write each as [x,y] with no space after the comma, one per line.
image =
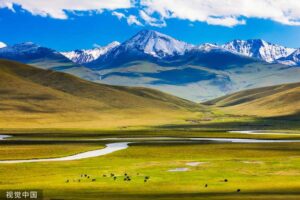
[155,12]
[151,20]
[226,12]
[118,15]
[57,8]
[132,20]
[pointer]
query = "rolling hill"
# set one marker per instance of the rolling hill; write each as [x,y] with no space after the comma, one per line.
[280,100]
[33,98]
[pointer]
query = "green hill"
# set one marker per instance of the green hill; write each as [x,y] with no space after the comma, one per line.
[32,97]
[277,100]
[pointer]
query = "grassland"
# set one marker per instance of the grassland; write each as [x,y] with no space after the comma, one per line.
[274,101]
[53,114]
[260,171]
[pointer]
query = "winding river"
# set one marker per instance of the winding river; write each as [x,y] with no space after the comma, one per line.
[112,147]
[117,146]
[259,132]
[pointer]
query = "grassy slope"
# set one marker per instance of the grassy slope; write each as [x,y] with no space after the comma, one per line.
[33,97]
[268,101]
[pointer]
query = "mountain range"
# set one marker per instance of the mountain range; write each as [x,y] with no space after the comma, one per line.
[82,56]
[155,60]
[259,49]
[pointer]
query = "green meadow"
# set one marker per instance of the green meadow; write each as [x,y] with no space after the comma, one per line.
[259,171]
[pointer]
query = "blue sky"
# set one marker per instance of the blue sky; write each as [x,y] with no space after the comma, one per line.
[83,26]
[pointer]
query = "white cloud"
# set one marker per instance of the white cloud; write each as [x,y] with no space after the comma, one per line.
[226,12]
[151,20]
[154,12]
[132,20]
[57,8]
[118,15]
[225,21]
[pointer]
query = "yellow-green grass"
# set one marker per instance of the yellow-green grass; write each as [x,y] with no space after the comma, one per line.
[36,98]
[280,100]
[261,171]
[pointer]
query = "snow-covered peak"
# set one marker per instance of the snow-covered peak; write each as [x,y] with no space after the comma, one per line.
[26,47]
[292,60]
[156,44]
[2,45]
[207,47]
[88,55]
[259,49]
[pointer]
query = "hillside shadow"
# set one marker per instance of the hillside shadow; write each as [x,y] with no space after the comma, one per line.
[288,122]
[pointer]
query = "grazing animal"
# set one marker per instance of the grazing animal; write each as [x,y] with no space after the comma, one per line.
[104,175]
[78,180]
[145,181]
[238,190]
[93,179]
[147,177]
[206,185]
[115,178]
[85,175]
[67,181]
[125,174]
[112,175]
[88,177]
[225,180]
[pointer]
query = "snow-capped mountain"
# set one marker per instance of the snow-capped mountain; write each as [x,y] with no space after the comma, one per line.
[156,44]
[208,47]
[89,55]
[2,44]
[152,59]
[291,60]
[145,45]
[30,53]
[258,49]
[20,49]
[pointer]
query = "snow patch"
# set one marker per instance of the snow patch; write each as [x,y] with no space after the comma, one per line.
[259,49]
[2,45]
[88,55]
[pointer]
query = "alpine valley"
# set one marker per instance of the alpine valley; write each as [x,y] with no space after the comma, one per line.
[155,60]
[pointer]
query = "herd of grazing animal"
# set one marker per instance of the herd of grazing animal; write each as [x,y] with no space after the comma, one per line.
[112,175]
[128,178]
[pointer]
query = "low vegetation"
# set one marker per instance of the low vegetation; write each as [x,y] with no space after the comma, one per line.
[224,171]
[36,98]
[280,100]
